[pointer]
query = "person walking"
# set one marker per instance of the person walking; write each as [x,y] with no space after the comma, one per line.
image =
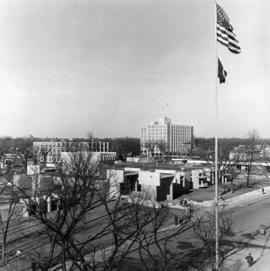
[175,219]
[249,259]
[181,219]
[34,265]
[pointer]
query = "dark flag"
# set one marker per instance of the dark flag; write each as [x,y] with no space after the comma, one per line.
[225,33]
[221,73]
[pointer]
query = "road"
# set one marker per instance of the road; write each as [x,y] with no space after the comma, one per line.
[247,218]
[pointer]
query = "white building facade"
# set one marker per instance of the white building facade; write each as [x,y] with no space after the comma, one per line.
[166,137]
[157,183]
[52,150]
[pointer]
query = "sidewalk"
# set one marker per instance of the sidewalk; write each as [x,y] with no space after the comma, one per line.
[233,201]
[260,251]
[255,194]
[259,247]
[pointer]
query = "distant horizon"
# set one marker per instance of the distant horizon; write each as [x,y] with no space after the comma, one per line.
[70,138]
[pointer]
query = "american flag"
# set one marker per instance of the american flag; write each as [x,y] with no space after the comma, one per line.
[225,33]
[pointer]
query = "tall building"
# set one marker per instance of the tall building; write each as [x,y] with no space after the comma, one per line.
[163,136]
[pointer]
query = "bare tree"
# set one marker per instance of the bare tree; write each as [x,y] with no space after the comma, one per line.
[204,232]
[150,146]
[89,219]
[154,146]
[91,140]
[24,147]
[153,247]
[75,196]
[93,226]
[230,168]
[227,166]
[251,152]
[162,146]
[41,154]
[127,222]
[6,219]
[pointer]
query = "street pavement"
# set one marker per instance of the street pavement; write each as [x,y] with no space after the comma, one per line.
[249,213]
[249,216]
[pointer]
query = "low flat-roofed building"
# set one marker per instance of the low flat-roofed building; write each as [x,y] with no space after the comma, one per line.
[51,150]
[158,182]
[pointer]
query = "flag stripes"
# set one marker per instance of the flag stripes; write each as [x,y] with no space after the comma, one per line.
[225,34]
[228,39]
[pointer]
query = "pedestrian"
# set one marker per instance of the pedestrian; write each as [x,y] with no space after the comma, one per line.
[249,259]
[175,219]
[263,190]
[34,265]
[181,219]
[185,202]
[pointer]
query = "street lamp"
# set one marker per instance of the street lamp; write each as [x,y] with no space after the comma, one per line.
[18,253]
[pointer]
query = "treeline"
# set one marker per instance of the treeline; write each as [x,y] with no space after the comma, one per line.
[208,144]
[123,146]
[18,144]
[126,146]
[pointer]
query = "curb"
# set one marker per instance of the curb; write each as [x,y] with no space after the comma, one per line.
[210,203]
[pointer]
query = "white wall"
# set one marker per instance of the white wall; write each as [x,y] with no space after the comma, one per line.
[149,178]
[149,192]
[115,177]
[33,169]
[196,178]
[133,169]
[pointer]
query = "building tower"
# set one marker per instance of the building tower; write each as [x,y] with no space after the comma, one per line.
[162,136]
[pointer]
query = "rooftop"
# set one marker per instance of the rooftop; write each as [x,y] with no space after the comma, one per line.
[153,166]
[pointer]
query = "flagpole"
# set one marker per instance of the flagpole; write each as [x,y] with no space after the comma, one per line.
[216,141]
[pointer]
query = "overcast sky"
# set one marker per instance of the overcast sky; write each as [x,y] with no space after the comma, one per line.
[112,66]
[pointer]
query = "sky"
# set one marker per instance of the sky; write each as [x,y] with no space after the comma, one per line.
[68,67]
